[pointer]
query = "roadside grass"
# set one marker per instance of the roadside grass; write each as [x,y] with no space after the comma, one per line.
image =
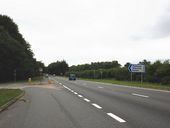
[8,94]
[133,83]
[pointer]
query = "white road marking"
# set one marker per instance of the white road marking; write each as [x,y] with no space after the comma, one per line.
[135,94]
[100,87]
[68,88]
[71,90]
[87,100]
[125,86]
[116,117]
[75,93]
[64,86]
[80,96]
[97,106]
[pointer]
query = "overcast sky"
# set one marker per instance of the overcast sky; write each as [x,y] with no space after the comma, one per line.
[84,31]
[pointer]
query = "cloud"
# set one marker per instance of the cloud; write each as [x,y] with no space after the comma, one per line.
[93,30]
[157,28]
[162,28]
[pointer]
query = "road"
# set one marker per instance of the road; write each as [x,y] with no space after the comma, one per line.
[83,104]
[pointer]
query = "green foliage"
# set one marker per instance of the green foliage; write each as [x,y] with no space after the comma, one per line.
[158,72]
[165,80]
[7,94]
[58,68]
[95,66]
[15,53]
[131,83]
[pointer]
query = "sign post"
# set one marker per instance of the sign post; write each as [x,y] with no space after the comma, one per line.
[15,75]
[141,77]
[40,70]
[137,68]
[94,74]
[101,74]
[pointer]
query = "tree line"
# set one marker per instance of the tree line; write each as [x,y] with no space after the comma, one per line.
[16,57]
[156,72]
[17,62]
[57,68]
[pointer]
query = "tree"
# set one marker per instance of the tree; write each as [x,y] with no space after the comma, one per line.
[16,56]
[58,68]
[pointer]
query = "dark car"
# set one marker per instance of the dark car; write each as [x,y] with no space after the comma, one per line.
[72,77]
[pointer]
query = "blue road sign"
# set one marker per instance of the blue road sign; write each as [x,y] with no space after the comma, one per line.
[136,68]
[129,68]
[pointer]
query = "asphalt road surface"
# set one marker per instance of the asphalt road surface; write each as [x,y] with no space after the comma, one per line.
[82,104]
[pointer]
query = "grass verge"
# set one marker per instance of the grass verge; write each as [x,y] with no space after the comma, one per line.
[8,94]
[129,83]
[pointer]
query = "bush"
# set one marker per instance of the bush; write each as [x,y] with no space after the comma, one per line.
[165,80]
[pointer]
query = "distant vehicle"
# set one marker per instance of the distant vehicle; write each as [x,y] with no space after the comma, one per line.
[72,77]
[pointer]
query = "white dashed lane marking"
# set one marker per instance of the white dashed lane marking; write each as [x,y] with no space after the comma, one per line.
[75,93]
[80,96]
[97,106]
[135,94]
[64,86]
[100,87]
[71,90]
[87,100]
[116,117]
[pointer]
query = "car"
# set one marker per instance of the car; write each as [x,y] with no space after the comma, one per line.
[72,77]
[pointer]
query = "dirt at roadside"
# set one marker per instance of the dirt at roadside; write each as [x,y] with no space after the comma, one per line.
[45,83]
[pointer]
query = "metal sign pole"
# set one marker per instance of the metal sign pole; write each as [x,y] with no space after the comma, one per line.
[15,75]
[101,74]
[40,71]
[141,77]
[94,74]
[131,76]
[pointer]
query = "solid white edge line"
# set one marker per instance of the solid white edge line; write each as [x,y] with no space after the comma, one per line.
[96,105]
[135,94]
[116,117]
[87,100]
[80,96]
